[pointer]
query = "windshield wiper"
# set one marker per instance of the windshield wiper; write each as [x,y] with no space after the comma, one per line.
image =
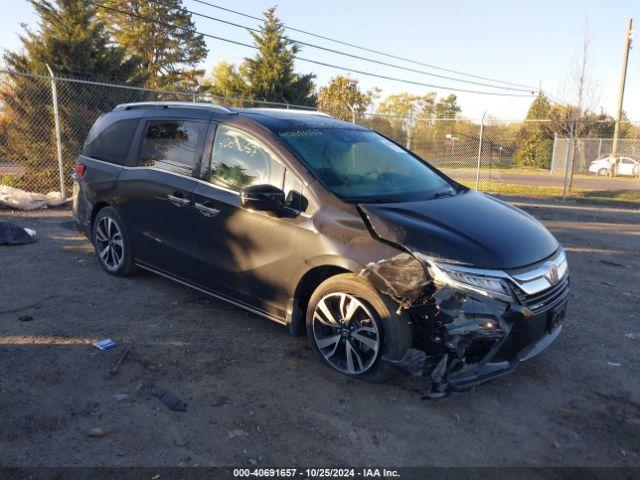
[446,193]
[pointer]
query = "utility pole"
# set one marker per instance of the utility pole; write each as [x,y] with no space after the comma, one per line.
[623,79]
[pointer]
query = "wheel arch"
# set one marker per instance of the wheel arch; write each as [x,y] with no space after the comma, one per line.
[304,288]
[94,212]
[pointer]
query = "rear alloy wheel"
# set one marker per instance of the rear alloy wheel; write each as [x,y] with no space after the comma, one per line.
[111,245]
[354,329]
[346,333]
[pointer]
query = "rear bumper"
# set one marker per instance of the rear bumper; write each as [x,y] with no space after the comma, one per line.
[81,209]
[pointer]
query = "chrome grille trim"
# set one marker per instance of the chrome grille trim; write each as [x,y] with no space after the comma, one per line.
[546,299]
[541,278]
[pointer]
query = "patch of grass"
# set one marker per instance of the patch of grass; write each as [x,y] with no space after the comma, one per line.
[625,198]
[624,195]
[15,181]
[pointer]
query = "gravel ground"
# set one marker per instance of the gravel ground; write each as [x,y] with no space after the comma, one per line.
[256,396]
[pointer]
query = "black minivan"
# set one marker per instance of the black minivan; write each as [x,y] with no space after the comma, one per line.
[326,227]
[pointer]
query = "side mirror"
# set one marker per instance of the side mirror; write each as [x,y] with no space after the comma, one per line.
[262,197]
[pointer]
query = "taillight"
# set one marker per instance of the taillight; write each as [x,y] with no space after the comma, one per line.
[80,169]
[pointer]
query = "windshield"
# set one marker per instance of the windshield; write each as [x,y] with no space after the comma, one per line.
[363,166]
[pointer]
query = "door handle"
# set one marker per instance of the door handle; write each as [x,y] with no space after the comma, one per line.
[206,211]
[178,201]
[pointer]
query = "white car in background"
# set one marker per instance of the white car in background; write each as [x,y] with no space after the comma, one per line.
[615,166]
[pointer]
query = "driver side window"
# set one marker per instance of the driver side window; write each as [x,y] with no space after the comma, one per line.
[239,160]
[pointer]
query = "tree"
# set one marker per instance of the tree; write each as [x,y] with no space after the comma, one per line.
[162,36]
[405,104]
[270,74]
[343,99]
[447,107]
[535,139]
[72,41]
[402,110]
[573,118]
[414,119]
[225,81]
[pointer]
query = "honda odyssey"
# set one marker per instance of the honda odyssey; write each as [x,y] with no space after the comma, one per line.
[328,228]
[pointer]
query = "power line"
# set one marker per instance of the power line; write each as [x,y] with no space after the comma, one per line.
[339,52]
[303,59]
[378,52]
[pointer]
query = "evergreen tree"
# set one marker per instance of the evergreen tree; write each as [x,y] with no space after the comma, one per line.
[162,36]
[270,74]
[535,139]
[226,81]
[73,42]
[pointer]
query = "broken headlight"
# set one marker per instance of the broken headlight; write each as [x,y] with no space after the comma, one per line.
[490,283]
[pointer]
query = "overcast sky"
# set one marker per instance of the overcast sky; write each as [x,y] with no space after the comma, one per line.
[516,41]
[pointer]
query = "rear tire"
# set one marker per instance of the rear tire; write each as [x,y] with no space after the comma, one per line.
[112,244]
[352,328]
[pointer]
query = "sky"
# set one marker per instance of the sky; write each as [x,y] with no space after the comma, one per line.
[532,43]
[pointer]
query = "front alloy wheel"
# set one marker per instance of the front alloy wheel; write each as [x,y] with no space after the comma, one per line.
[346,333]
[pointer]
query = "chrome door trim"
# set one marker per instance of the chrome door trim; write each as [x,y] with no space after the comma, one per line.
[178,201]
[206,211]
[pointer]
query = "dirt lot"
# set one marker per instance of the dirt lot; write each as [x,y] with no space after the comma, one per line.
[257,396]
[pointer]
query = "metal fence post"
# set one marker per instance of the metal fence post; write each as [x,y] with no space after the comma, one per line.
[553,153]
[480,149]
[599,149]
[567,160]
[409,129]
[353,112]
[56,120]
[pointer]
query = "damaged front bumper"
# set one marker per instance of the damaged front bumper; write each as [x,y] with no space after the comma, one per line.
[469,325]
[461,340]
[490,370]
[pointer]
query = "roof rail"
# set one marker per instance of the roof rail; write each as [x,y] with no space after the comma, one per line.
[201,105]
[288,110]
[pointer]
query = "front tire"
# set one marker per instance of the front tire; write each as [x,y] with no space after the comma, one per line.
[603,172]
[352,328]
[112,244]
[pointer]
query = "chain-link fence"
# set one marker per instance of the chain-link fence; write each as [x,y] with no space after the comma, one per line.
[29,156]
[587,151]
[449,144]
[494,155]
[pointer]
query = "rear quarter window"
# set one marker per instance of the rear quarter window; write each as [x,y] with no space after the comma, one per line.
[171,145]
[111,143]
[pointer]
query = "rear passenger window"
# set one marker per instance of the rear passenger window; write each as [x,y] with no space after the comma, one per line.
[112,143]
[239,160]
[171,145]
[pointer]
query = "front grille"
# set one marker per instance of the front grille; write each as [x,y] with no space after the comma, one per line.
[546,299]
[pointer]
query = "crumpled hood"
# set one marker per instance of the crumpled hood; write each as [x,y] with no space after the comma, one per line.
[470,228]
